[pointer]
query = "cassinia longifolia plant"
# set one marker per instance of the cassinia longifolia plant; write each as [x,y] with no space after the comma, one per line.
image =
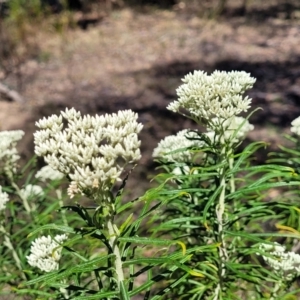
[217,226]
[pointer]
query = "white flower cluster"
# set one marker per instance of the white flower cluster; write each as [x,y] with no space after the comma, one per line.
[231,130]
[285,264]
[296,126]
[8,152]
[170,148]
[3,199]
[91,151]
[30,191]
[46,252]
[216,95]
[48,173]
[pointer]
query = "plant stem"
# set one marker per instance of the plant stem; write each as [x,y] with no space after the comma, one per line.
[109,211]
[25,202]
[114,245]
[222,248]
[223,255]
[10,246]
[231,181]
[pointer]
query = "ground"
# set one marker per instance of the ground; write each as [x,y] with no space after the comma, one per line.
[136,59]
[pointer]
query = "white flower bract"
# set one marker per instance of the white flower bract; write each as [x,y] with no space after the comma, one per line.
[171,147]
[3,199]
[8,152]
[285,264]
[45,252]
[89,149]
[296,126]
[216,95]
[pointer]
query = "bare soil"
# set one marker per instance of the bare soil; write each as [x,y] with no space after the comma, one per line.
[136,59]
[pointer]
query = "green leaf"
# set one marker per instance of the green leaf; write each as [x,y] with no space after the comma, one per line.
[123,291]
[52,226]
[255,188]
[243,156]
[84,267]
[100,295]
[170,287]
[256,236]
[210,202]
[33,292]
[125,224]
[146,241]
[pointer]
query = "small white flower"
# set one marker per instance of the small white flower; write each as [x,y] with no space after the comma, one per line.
[285,264]
[216,95]
[31,190]
[45,252]
[296,126]
[170,148]
[3,199]
[48,173]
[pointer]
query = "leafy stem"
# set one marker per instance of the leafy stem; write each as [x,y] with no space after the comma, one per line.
[220,209]
[9,245]
[113,233]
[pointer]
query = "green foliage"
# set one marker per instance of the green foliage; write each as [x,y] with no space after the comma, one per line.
[211,228]
[189,214]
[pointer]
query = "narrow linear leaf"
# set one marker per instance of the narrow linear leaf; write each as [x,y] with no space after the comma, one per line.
[58,275]
[53,226]
[146,241]
[106,295]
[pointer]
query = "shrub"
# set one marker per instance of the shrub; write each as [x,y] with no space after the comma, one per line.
[209,230]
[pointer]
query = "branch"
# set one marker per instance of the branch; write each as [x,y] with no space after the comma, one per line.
[10,94]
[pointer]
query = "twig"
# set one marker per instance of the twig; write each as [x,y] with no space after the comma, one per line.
[10,94]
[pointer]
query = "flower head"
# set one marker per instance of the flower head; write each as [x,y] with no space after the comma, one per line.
[47,173]
[216,95]
[91,151]
[46,252]
[8,152]
[296,126]
[31,190]
[285,264]
[3,199]
[171,147]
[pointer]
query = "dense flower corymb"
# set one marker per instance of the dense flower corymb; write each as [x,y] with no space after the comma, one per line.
[167,148]
[216,95]
[91,151]
[285,264]
[45,252]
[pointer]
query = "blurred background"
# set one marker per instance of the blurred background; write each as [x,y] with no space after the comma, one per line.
[105,55]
